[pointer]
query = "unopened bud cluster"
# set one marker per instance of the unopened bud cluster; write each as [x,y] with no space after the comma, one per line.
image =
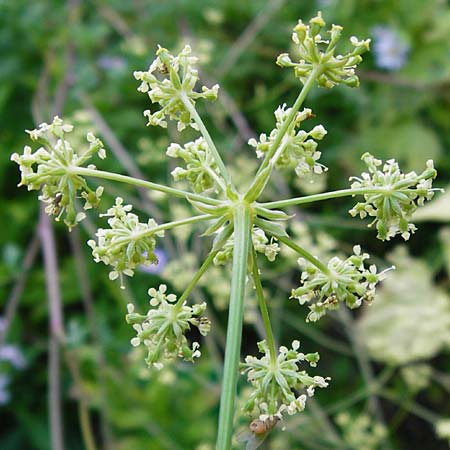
[162,330]
[299,147]
[279,386]
[127,244]
[170,82]
[397,198]
[346,281]
[52,167]
[317,52]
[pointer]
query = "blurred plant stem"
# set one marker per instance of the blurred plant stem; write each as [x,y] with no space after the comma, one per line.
[411,406]
[56,331]
[365,366]
[56,342]
[248,37]
[88,302]
[12,302]
[41,103]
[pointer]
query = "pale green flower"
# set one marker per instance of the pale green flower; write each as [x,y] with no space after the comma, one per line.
[276,384]
[316,52]
[442,429]
[346,281]
[397,197]
[51,169]
[162,330]
[127,244]
[262,244]
[169,81]
[201,170]
[299,147]
[361,432]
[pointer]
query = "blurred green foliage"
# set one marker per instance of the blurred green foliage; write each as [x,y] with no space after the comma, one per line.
[86,51]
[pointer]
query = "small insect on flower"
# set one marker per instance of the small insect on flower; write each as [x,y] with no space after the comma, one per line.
[259,429]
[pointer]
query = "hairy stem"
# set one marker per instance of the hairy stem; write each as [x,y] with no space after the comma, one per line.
[242,224]
[263,308]
[301,251]
[322,196]
[205,133]
[141,183]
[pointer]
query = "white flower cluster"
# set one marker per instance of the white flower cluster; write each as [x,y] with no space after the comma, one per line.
[361,432]
[299,148]
[261,243]
[127,244]
[162,330]
[177,83]
[201,170]
[395,198]
[317,53]
[56,162]
[276,383]
[346,281]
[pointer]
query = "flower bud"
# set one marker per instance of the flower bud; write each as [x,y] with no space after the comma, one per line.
[318,132]
[316,24]
[284,60]
[300,31]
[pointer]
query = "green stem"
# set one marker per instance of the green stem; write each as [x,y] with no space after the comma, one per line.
[298,103]
[263,309]
[323,196]
[413,407]
[198,120]
[86,430]
[216,178]
[83,407]
[301,251]
[141,183]
[164,226]
[203,269]
[242,225]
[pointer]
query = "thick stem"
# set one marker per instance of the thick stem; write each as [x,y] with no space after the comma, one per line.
[323,196]
[242,224]
[263,309]
[141,183]
[205,133]
[301,251]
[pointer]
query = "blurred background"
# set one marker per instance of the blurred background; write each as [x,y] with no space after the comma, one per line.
[389,363]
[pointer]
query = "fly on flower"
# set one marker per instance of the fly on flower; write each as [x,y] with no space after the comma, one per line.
[258,430]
